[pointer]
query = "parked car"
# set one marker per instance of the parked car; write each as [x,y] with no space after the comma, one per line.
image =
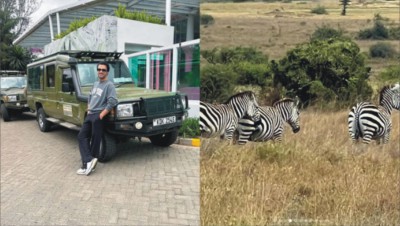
[58,89]
[12,95]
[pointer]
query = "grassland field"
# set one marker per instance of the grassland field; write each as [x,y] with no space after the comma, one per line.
[317,176]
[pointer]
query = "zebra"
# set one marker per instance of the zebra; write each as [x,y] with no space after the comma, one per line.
[271,123]
[371,122]
[222,119]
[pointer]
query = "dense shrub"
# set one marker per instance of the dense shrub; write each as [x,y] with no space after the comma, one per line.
[252,73]
[206,19]
[319,10]
[190,128]
[243,65]
[326,32]
[390,74]
[382,50]
[324,70]
[394,33]
[379,31]
[217,83]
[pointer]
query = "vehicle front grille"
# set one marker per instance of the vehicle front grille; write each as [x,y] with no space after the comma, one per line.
[162,105]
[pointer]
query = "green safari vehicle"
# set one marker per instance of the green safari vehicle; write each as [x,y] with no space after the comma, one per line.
[12,96]
[58,90]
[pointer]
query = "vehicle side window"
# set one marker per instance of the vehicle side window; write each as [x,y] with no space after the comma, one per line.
[67,79]
[35,78]
[50,75]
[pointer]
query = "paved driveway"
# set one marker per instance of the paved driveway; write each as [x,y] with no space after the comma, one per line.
[142,185]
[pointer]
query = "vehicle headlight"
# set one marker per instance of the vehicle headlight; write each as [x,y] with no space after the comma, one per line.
[12,98]
[124,110]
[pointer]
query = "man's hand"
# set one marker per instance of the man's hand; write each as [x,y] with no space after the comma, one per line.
[103,114]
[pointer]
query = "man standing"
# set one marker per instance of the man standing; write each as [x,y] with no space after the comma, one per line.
[102,99]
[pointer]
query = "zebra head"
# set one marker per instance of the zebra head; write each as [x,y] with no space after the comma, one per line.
[245,104]
[290,112]
[389,97]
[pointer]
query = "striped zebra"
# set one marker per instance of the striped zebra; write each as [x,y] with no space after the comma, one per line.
[271,124]
[371,122]
[222,119]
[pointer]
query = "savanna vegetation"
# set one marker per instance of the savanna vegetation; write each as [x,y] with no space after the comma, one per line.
[331,61]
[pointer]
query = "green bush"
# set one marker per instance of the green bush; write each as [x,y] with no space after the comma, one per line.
[206,19]
[382,50]
[319,10]
[390,74]
[394,33]
[190,128]
[324,70]
[326,32]
[143,16]
[217,83]
[377,32]
[252,73]
[74,25]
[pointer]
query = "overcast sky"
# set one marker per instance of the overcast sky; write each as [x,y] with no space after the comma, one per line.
[48,5]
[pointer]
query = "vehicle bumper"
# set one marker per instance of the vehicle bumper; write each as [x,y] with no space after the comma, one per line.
[141,128]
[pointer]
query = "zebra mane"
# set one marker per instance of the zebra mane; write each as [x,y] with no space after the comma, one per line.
[245,93]
[283,100]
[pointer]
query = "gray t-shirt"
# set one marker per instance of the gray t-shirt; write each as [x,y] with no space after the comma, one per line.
[102,96]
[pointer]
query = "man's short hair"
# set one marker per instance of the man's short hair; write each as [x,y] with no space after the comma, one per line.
[104,63]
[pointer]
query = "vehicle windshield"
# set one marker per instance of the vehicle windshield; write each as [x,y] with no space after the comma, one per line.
[118,74]
[12,82]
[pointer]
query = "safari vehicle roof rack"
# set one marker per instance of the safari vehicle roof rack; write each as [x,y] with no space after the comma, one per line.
[92,54]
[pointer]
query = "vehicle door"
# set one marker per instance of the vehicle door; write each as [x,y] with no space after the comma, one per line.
[67,98]
[50,105]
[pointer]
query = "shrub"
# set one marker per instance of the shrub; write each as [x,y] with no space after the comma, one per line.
[319,10]
[74,25]
[233,55]
[217,83]
[252,73]
[382,50]
[326,32]
[390,74]
[206,19]
[378,31]
[394,33]
[324,70]
[121,12]
[190,128]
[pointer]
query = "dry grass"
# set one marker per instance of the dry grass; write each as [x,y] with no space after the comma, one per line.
[315,177]
[275,28]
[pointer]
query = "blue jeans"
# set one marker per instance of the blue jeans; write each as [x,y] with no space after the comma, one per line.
[90,136]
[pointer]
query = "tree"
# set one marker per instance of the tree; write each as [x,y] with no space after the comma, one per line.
[323,71]
[14,19]
[344,3]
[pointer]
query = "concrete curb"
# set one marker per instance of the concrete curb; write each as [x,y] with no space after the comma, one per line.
[194,142]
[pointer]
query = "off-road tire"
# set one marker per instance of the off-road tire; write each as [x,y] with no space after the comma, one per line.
[44,125]
[108,148]
[4,113]
[165,139]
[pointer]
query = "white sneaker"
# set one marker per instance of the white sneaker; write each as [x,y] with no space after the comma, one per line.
[81,171]
[90,165]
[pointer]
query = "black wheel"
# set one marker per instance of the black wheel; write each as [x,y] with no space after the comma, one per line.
[164,139]
[44,125]
[108,148]
[4,113]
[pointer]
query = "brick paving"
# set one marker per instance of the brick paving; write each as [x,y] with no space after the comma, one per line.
[141,185]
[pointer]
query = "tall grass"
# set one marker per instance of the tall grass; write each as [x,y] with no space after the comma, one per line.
[314,177]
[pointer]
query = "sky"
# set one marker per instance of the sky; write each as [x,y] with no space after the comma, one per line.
[48,5]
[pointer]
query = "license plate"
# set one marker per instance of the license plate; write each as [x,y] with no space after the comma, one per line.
[163,121]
